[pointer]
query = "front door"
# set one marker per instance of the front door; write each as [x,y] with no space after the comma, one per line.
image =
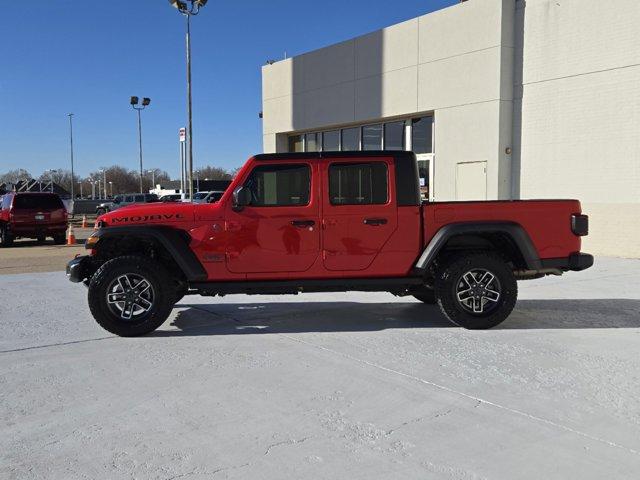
[359,212]
[279,231]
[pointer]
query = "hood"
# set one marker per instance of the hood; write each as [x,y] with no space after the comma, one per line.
[150,213]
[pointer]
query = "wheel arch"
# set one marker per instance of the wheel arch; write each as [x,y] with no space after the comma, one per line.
[506,237]
[171,242]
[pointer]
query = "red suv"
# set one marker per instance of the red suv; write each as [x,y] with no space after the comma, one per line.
[32,215]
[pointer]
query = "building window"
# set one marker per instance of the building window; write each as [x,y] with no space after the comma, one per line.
[394,136]
[372,137]
[422,135]
[296,143]
[279,185]
[350,139]
[358,183]
[312,142]
[331,141]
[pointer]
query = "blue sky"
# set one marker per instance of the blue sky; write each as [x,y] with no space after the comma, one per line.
[88,57]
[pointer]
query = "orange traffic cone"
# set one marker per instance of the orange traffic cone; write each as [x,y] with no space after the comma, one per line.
[71,238]
[84,221]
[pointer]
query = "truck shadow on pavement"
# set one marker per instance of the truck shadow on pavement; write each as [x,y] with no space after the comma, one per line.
[301,317]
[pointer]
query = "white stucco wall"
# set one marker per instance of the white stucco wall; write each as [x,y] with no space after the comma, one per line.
[557,80]
[580,120]
[456,62]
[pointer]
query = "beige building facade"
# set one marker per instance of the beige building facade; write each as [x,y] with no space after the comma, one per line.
[500,99]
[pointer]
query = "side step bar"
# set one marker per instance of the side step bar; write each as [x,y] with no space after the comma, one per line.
[287,287]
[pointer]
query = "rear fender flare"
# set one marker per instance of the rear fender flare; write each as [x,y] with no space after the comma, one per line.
[514,231]
[175,241]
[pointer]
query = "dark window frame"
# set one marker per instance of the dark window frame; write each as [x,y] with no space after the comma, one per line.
[356,164]
[276,167]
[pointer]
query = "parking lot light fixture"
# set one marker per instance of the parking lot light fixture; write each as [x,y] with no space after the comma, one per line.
[189,8]
[135,104]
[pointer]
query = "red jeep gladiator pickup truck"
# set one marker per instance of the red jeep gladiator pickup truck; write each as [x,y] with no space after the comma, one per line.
[326,222]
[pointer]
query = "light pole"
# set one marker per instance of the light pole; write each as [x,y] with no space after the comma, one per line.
[111,188]
[70,115]
[189,8]
[134,103]
[153,178]
[104,183]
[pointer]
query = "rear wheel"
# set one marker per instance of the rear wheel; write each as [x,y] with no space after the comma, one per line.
[6,239]
[41,238]
[59,239]
[129,296]
[476,290]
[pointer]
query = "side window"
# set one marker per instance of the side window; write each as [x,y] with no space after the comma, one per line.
[139,198]
[279,185]
[358,183]
[6,202]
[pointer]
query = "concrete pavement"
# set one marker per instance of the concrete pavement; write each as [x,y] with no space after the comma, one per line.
[325,386]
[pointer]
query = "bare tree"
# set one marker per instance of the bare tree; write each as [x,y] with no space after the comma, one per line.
[214,173]
[59,177]
[15,176]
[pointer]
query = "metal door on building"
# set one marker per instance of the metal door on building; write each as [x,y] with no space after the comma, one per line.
[471,181]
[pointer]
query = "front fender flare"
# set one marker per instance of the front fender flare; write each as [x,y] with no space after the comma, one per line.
[175,241]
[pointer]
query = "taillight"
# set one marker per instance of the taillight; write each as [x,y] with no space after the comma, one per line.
[580,224]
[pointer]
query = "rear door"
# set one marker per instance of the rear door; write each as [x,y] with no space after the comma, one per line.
[279,231]
[359,211]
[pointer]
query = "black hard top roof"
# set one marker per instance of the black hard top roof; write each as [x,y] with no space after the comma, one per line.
[396,154]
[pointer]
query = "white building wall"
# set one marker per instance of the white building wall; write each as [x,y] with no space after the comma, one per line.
[456,62]
[579,133]
[557,80]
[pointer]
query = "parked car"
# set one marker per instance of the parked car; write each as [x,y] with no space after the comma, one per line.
[207,197]
[32,215]
[173,197]
[327,222]
[120,201]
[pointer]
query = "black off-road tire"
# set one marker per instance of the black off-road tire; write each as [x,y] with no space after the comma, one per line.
[41,239]
[427,296]
[449,284]
[60,239]
[6,239]
[106,315]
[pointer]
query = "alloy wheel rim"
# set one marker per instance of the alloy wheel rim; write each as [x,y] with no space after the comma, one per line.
[130,296]
[478,291]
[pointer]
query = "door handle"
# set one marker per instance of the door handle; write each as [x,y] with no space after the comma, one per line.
[375,222]
[303,223]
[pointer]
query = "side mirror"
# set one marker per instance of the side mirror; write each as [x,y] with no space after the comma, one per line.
[241,198]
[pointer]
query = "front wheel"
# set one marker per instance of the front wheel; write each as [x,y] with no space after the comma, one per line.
[129,296]
[477,290]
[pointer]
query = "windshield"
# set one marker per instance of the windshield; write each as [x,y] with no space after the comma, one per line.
[37,201]
[200,195]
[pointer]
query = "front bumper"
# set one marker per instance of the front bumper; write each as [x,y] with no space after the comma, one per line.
[79,269]
[575,262]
